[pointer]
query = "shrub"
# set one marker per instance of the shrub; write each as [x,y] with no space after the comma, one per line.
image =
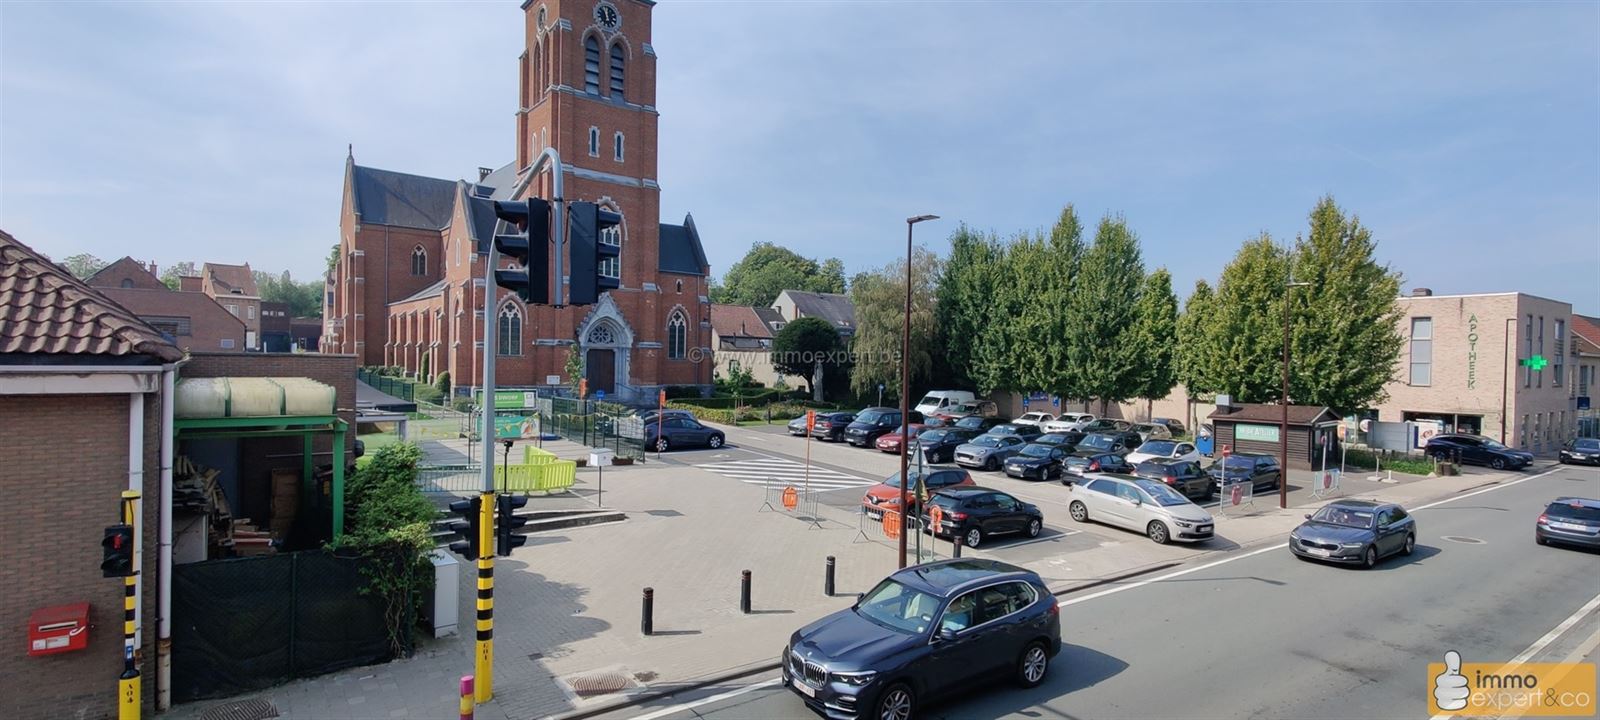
[462,404]
[682,391]
[427,394]
[389,523]
[443,383]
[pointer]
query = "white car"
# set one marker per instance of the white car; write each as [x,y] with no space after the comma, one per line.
[1164,449]
[1036,419]
[1141,505]
[1068,422]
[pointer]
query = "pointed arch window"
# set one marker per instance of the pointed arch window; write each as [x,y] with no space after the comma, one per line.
[594,142]
[419,261]
[616,147]
[677,333]
[618,61]
[509,341]
[591,65]
[610,266]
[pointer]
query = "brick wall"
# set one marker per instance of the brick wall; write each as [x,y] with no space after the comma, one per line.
[66,467]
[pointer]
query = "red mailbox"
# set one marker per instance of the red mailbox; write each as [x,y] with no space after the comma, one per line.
[59,629]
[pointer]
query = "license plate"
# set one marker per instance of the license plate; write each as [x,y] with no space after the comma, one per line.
[1319,552]
[875,514]
[804,689]
[1204,528]
[1569,526]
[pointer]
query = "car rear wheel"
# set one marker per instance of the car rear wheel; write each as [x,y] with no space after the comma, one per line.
[1079,512]
[896,703]
[1032,665]
[974,537]
[662,445]
[1370,557]
[1034,526]
[989,463]
[1157,532]
[715,441]
[1410,546]
[1498,463]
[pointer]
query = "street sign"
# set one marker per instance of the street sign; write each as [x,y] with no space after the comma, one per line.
[1536,362]
[1341,431]
[1055,400]
[1236,495]
[891,524]
[790,498]
[599,394]
[811,420]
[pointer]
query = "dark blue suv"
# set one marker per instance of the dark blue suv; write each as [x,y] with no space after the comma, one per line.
[924,631]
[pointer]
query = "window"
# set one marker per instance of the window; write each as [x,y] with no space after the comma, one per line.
[227,343]
[510,329]
[680,287]
[618,59]
[961,614]
[591,65]
[419,261]
[1103,486]
[1540,382]
[677,329]
[1560,363]
[1527,370]
[611,267]
[250,311]
[616,149]
[1421,351]
[233,310]
[127,282]
[594,142]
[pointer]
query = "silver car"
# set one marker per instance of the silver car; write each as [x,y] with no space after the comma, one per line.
[988,451]
[1067,421]
[1140,505]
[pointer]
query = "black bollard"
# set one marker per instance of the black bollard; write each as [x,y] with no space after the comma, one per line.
[955,541]
[827,579]
[647,611]
[744,592]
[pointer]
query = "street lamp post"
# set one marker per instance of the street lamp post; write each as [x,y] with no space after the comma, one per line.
[1283,424]
[905,393]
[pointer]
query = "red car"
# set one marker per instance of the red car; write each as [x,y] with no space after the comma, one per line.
[890,443]
[886,495]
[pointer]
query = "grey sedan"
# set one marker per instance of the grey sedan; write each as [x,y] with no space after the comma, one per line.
[1355,532]
[988,451]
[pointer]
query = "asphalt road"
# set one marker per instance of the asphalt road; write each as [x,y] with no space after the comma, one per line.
[1264,634]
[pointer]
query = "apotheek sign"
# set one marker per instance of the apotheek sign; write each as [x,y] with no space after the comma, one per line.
[1472,351]
[1258,433]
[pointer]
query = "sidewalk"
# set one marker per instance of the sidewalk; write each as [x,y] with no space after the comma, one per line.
[567,609]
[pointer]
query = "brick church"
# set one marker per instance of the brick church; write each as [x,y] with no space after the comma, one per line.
[408,288]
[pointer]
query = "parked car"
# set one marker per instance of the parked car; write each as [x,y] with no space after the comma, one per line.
[831,426]
[1068,421]
[1570,521]
[1169,449]
[1106,425]
[638,420]
[1036,419]
[1067,440]
[988,451]
[974,513]
[1083,462]
[1115,442]
[1175,426]
[924,631]
[1355,532]
[938,400]
[1185,476]
[1477,450]
[981,423]
[1584,451]
[1152,431]
[1037,461]
[981,408]
[1261,471]
[890,442]
[939,444]
[1026,432]
[797,426]
[1141,505]
[886,495]
[677,432]
[872,423]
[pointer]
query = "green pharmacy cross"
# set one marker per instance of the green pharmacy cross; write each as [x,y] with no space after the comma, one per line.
[1536,362]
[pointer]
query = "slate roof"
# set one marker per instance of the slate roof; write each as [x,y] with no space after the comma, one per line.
[680,248]
[833,307]
[1262,413]
[480,213]
[771,317]
[434,290]
[385,197]
[227,278]
[45,311]
[738,321]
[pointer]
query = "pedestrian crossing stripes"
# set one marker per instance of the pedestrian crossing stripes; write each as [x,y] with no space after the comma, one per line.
[778,472]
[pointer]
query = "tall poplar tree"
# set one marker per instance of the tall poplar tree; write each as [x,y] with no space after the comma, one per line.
[1156,338]
[1247,347]
[1107,297]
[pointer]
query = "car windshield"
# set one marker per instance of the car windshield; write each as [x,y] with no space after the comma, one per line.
[1238,463]
[870,416]
[894,480]
[1003,430]
[988,441]
[933,436]
[929,399]
[1569,511]
[1345,516]
[1158,447]
[1586,445]
[1051,440]
[1492,444]
[971,421]
[1161,494]
[1097,442]
[1038,451]
[898,607]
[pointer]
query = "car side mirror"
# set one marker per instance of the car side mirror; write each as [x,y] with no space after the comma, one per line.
[946,634]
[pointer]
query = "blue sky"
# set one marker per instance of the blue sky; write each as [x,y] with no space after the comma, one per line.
[1467,136]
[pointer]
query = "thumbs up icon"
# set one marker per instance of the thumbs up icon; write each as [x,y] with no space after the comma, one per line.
[1450,688]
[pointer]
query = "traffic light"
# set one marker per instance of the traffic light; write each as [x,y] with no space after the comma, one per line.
[117,551]
[467,527]
[529,245]
[593,242]
[506,523]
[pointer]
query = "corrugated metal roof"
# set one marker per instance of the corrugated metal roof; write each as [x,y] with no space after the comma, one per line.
[44,310]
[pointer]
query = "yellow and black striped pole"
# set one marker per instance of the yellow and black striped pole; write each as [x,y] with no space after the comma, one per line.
[128,702]
[483,683]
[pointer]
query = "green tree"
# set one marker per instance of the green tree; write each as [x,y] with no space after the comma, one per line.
[1156,337]
[1247,335]
[1057,336]
[1106,298]
[83,265]
[333,257]
[1196,342]
[303,299]
[765,271]
[1346,340]
[879,299]
[807,347]
[170,275]
[963,304]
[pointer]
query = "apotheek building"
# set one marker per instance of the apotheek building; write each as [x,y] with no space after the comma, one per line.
[1499,365]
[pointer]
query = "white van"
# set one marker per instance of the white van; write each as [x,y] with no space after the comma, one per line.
[938,400]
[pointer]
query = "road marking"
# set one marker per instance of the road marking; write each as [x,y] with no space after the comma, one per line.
[1280,546]
[663,712]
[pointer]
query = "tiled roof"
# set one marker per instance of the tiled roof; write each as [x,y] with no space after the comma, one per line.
[731,321]
[44,310]
[1586,327]
[1262,413]
[228,278]
[833,307]
[125,269]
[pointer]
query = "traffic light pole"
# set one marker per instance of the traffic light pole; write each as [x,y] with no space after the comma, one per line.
[483,649]
[128,701]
